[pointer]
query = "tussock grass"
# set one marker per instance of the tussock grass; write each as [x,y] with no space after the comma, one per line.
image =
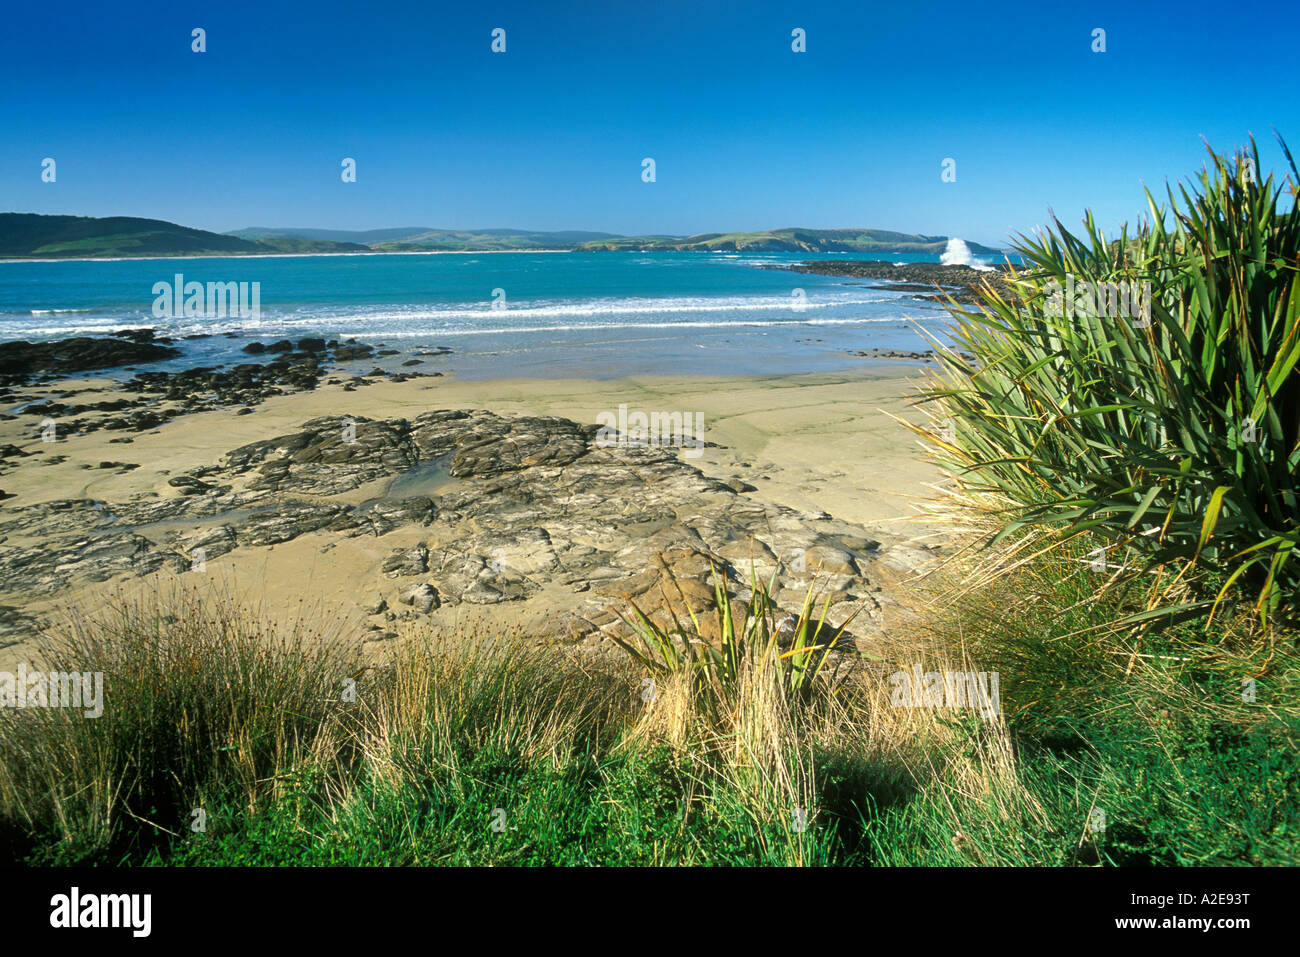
[201,700]
[1184,743]
[497,749]
[206,708]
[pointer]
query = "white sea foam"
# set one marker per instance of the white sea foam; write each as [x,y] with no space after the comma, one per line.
[959,254]
[606,326]
[8,330]
[604,307]
[480,319]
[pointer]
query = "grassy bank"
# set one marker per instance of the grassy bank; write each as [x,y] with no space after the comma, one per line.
[497,750]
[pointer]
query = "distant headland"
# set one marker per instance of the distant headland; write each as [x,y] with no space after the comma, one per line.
[35,236]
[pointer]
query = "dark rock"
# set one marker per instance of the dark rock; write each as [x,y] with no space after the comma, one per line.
[348,353]
[137,335]
[80,354]
[389,514]
[286,522]
[942,281]
[413,561]
[189,485]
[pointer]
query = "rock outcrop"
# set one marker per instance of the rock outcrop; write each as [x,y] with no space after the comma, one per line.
[506,509]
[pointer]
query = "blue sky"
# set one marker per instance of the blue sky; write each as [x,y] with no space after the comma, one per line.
[745,133]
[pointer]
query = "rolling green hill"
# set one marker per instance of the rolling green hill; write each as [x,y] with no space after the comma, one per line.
[32,236]
[490,239]
[789,240]
[416,238]
[364,237]
[286,244]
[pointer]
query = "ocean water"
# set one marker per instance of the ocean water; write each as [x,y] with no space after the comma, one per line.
[502,314]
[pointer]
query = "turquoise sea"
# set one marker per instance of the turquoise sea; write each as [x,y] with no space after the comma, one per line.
[502,314]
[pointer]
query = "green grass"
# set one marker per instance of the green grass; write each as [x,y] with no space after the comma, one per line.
[1149,727]
[625,811]
[586,772]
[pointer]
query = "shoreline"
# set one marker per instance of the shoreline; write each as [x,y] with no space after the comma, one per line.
[240,364]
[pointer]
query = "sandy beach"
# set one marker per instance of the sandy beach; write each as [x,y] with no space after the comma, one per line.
[819,445]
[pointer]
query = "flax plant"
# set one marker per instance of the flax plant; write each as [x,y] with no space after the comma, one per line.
[1171,433]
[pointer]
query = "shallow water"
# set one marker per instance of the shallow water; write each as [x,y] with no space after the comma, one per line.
[430,478]
[504,314]
[233,516]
